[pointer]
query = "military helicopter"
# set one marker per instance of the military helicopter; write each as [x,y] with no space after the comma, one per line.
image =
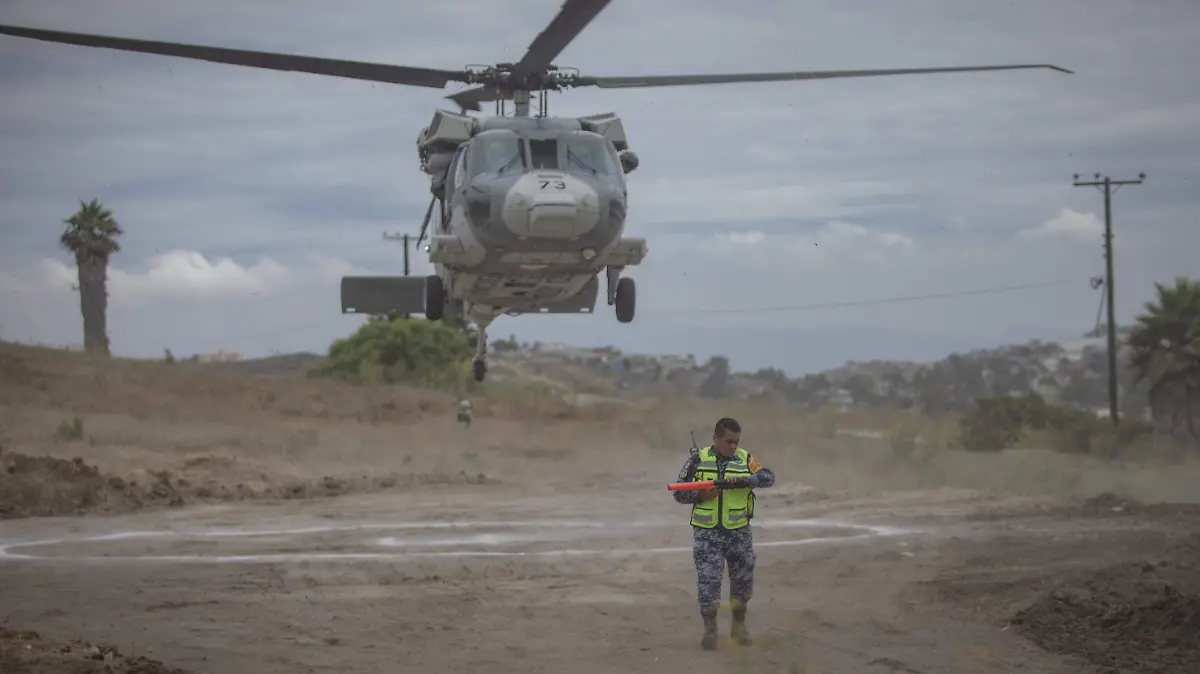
[530,208]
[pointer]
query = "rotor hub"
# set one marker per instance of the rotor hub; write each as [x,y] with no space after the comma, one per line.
[506,77]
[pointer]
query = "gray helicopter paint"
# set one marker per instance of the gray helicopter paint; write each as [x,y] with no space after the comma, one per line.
[531,124]
[549,205]
[523,236]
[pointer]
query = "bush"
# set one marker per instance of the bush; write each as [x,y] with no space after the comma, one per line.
[1000,422]
[419,352]
[1088,434]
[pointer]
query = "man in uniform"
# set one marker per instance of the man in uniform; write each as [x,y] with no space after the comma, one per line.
[721,526]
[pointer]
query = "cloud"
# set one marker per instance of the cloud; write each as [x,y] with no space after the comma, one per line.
[836,243]
[185,301]
[182,274]
[1082,227]
[243,192]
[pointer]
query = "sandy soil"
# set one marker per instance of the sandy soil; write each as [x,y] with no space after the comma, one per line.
[513,578]
[569,556]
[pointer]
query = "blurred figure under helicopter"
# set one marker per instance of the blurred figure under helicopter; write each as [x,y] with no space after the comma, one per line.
[464,413]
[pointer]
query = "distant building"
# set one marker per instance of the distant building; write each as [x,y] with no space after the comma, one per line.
[221,356]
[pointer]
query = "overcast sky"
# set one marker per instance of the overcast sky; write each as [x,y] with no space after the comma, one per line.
[245,195]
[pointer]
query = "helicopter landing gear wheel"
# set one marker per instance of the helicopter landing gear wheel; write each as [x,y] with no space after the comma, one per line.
[479,368]
[626,300]
[435,298]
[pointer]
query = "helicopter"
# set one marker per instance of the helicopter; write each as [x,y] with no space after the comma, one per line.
[531,208]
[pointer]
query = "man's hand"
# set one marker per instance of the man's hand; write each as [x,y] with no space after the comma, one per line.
[733,483]
[707,495]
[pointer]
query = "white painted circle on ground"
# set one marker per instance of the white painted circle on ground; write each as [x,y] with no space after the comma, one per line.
[525,538]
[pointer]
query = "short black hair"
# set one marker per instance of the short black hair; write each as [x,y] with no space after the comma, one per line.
[726,424]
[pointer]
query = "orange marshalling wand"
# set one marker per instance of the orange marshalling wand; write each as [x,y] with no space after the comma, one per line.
[690,486]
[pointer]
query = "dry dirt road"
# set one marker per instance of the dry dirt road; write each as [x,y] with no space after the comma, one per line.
[553,577]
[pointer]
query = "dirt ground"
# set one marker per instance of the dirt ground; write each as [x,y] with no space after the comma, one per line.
[538,546]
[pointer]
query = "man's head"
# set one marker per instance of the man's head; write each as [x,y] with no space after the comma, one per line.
[726,435]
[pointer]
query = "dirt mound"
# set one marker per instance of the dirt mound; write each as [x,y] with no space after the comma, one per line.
[1111,501]
[1113,505]
[1106,505]
[45,486]
[1141,618]
[29,653]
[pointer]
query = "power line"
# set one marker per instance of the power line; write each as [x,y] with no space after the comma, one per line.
[902,299]
[877,301]
[1110,284]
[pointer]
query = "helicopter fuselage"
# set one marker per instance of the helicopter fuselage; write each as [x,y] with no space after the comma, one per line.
[533,208]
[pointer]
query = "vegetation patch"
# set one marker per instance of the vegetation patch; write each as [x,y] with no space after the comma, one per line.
[1004,422]
[397,350]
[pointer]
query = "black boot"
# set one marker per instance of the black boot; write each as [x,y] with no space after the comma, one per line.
[737,628]
[709,641]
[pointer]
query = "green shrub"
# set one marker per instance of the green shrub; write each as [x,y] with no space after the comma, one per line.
[419,352]
[70,431]
[1000,422]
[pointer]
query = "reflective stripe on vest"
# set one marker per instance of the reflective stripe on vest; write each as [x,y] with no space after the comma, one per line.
[733,507]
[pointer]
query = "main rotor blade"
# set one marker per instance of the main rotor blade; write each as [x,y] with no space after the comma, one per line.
[469,99]
[570,21]
[572,18]
[373,72]
[684,80]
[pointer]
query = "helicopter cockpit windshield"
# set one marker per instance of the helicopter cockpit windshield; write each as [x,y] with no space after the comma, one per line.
[589,154]
[499,154]
[576,152]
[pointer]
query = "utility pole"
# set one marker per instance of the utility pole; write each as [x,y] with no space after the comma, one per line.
[405,238]
[400,237]
[1106,186]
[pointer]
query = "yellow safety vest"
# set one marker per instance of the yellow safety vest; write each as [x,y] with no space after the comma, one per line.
[735,506]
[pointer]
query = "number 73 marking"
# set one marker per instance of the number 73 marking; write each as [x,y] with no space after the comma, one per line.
[558,184]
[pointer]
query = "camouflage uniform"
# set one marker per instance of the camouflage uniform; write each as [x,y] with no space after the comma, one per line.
[712,548]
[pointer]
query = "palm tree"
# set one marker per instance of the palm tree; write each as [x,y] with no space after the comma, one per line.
[91,235]
[1164,347]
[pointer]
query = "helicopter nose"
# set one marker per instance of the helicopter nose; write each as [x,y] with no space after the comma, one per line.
[551,206]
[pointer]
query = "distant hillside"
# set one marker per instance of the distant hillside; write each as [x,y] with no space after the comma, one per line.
[1073,373]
